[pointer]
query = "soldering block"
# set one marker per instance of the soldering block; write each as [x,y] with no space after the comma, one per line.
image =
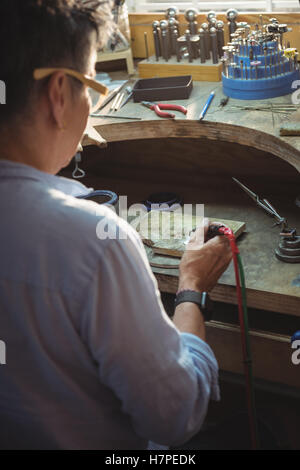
[207,72]
[166,233]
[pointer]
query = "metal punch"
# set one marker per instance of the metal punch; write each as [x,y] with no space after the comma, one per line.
[204,26]
[189,45]
[164,28]
[214,45]
[156,39]
[232,15]
[191,17]
[202,46]
[220,37]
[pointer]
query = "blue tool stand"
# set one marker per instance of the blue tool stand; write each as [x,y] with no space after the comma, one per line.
[268,84]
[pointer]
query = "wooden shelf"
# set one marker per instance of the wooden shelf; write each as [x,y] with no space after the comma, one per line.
[126,54]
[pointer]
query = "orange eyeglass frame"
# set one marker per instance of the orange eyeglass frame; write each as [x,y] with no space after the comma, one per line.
[39,74]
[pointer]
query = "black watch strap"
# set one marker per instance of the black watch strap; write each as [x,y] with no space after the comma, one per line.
[199,298]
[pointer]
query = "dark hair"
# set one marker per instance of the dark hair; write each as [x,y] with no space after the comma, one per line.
[42,33]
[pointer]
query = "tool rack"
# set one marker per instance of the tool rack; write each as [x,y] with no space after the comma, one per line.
[268,76]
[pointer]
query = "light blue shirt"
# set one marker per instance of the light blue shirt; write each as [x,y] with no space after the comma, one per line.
[93,361]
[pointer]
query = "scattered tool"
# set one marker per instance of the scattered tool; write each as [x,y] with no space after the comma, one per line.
[207,105]
[112,95]
[113,116]
[274,107]
[224,102]
[264,204]
[157,107]
[117,97]
[119,101]
[288,250]
[129,90]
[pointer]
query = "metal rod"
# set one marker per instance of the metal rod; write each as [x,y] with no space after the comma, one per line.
[118,103]
[156,45]
[202,47]
[112,116]
[156,38]
[214,45]
[189,45]
[146,45]
[114,102]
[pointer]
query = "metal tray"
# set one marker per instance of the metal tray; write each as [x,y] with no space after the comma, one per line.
[161,89]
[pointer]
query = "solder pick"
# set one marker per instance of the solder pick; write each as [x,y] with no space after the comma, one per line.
[264,204]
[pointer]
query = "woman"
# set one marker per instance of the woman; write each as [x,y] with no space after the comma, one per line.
[93,361]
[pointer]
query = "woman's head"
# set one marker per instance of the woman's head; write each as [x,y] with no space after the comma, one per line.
[41,34]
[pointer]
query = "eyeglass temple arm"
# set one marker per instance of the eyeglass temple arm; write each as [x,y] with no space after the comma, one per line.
[39,74]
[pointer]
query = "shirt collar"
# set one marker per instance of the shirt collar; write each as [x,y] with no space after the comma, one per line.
[16,170]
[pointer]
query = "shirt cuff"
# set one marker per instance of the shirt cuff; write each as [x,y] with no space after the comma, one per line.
[199,348]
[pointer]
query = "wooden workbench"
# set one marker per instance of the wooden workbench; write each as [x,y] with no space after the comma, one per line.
[255,129]
[197,160]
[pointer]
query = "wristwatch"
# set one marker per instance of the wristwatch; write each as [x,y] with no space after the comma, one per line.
[201,299]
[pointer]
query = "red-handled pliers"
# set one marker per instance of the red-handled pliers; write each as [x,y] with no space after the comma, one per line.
[157,107]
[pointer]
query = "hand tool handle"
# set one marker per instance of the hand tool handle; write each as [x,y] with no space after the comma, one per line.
[117,97]
[174,107]
[161,113]
[206,106]
[118,103]
[126,100]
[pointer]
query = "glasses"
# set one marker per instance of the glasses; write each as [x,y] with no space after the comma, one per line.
[96,90]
